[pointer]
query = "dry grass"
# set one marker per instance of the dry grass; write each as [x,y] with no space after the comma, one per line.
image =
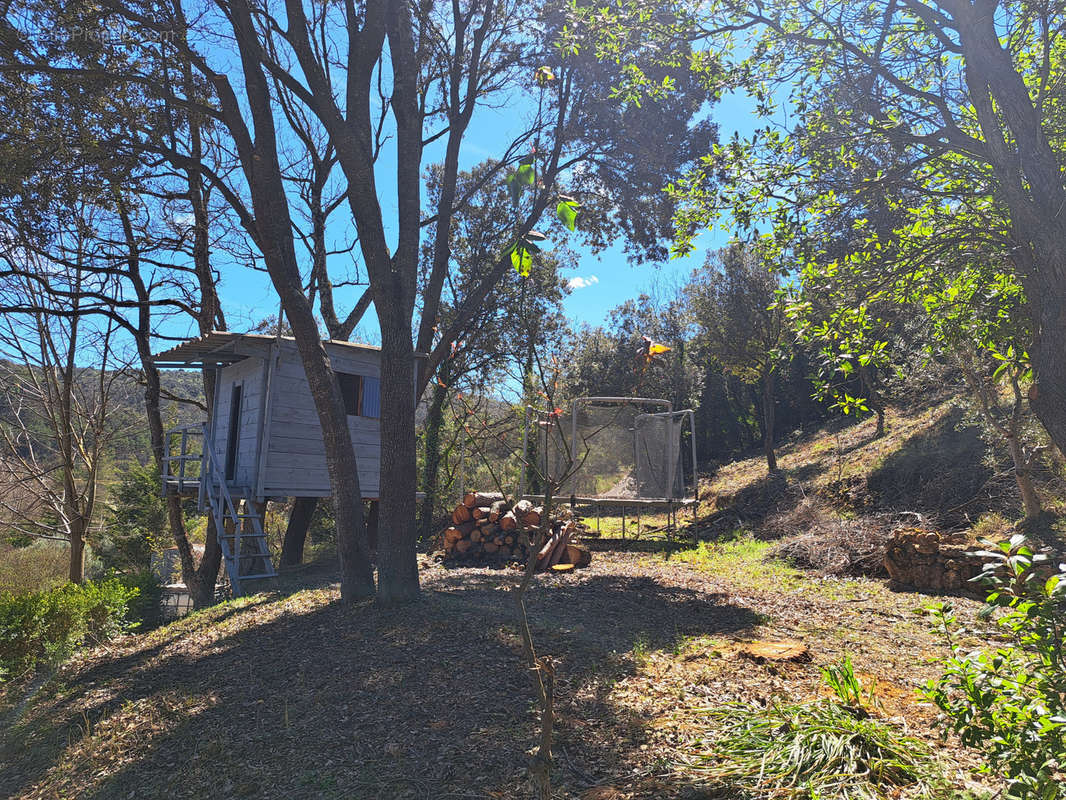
[815,538]
[296,696]
[292,695]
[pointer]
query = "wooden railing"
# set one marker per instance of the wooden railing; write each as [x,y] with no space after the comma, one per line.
[239,531]
[178,476]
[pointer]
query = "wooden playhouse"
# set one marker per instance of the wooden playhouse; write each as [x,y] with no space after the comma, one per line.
[262,437]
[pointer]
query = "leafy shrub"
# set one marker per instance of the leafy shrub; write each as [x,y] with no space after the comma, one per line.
[1010,701]
[138,518]
[46,627]
[821,749]
[145,611]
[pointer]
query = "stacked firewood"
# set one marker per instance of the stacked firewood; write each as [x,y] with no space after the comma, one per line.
[488,529]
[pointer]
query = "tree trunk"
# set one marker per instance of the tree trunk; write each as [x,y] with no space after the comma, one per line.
[373,519]
[1029,179]
[1030,499]
[198,579]
[272,215]
[77,550]
[203,590]
[1047,397]
[874,399]
[768,421]
[431,468]
[292,548]
[397,564]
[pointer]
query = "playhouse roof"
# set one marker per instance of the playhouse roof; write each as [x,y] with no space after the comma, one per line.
[228,347]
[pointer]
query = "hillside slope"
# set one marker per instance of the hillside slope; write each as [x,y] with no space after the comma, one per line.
[932,462]
[291,695]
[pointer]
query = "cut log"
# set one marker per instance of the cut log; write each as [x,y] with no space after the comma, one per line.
[578,556]
[463,545]
[480,512]
[559,550]
[475,535]
[475,499]
[509,521]
[497,510]
[461,514]
[534,516]
[521,508]
[548,545]
[489,547]
[488,529]
[562,568]
[508,540]
[452,535]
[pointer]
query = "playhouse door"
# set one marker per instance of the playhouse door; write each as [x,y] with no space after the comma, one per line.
[233,435]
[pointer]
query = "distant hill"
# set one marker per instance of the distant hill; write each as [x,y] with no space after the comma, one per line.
[183,397]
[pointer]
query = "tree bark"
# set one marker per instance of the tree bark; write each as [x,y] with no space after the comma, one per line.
[259,155]
[396,559]
[1030,499]
[431,467]
[1029,182]
[292,548]
[768,421]
[1047,397]
[77,550]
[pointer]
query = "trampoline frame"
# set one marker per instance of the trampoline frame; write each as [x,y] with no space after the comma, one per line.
[673,504]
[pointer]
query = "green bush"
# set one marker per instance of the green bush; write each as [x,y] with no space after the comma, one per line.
[1010,701]
[145,611]
[43,628]
[138,520]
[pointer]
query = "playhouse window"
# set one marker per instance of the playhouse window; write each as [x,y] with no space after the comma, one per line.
[362,395]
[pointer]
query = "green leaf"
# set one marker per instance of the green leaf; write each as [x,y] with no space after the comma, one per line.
[521,260]
[566,211]
[515,188]
[525,175]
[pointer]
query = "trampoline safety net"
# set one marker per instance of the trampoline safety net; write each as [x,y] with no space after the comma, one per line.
[616,449]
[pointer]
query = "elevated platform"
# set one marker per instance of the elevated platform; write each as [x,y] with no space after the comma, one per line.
[682,502]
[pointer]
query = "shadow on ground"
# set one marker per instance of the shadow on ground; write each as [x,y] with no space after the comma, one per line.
[300,696]
[940,471]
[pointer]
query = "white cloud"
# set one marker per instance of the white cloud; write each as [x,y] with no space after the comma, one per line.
[581,283]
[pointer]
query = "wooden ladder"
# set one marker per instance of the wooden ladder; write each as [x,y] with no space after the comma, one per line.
[239,527]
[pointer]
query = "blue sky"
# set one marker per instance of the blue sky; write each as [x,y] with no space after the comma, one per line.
[601,281]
